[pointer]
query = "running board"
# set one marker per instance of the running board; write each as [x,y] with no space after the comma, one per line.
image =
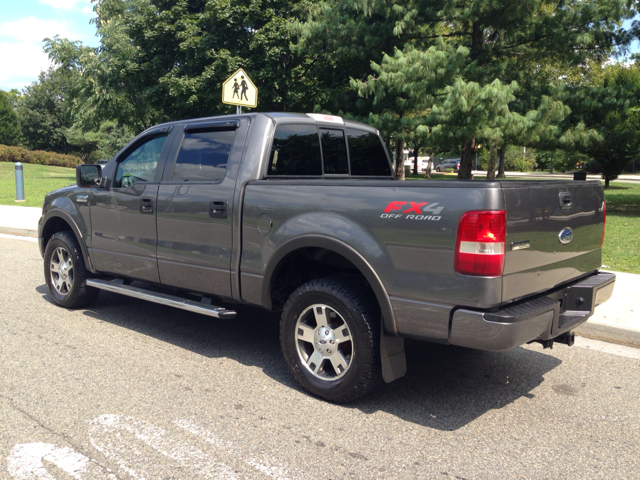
[117,286]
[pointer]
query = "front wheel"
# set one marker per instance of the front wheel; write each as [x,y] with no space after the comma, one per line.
[330,338]
[65,273]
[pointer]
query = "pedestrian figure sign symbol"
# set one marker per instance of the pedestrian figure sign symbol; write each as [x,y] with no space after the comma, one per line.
[238,89]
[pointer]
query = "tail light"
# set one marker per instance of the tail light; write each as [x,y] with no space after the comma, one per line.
[480,243]
[604,221]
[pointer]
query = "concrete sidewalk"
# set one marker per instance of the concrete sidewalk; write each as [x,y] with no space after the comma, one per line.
[616,321]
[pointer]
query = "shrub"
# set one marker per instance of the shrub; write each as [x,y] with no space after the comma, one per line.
[19,154]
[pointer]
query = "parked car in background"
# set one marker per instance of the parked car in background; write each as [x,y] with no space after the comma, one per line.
[450,163]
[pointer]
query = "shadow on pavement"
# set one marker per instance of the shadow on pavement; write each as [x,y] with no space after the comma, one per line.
[445,387]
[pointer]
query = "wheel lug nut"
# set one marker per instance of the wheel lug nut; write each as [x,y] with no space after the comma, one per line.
[326,332]
[332,342]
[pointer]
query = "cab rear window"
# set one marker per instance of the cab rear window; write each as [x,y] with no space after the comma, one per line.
[305,150]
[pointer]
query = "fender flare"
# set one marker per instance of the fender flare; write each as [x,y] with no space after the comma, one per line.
[68,219]
[336,246]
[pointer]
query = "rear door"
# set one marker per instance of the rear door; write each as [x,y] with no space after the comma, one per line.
[195,206]
[554,234]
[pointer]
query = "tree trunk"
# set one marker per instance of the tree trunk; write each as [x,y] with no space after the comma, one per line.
[466,159]
[503,150]
[415,160]
[491,166]
[399,159]
[427,173]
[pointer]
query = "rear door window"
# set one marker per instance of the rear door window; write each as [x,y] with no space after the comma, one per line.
[295,151]
[368,156]
[203,156]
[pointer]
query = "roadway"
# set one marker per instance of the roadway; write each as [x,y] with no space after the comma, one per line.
[130,390]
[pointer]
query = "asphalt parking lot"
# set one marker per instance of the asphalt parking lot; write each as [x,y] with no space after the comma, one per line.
[129,390]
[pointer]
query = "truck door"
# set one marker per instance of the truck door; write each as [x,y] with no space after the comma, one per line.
[123,215]
[195,206]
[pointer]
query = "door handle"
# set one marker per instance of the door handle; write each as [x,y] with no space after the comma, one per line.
[146,205]
[218,209]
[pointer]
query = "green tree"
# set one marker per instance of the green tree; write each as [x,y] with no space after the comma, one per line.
[165,60]
[45,112]
[9,124]
[481,58]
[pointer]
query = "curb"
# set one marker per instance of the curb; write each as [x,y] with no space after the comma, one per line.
[609,333]
[20,232]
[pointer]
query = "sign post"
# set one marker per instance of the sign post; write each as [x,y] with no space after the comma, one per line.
[239,90]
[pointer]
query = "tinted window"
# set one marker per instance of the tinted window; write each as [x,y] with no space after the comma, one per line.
[295,151]
[334,151]
[140,164]
[203,156]
[367,154]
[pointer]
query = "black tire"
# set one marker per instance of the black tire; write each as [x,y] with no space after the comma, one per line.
[345,303]
[72,290]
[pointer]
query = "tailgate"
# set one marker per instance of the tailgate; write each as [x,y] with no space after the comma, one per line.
[554,233]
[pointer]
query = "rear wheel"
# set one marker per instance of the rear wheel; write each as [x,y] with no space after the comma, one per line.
[65,272]
[330,338]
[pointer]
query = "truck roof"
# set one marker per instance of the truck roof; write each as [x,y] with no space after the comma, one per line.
[283,118]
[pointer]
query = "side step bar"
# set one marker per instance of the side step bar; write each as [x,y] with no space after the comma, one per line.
[117,286]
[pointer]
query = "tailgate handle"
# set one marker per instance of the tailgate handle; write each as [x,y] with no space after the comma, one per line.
[565,200]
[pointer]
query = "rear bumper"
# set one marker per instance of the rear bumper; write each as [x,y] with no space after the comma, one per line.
[542,318]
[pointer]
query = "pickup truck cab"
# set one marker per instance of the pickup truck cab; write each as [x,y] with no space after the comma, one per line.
[300,214]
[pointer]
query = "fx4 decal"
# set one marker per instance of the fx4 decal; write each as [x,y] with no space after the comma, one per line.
[413,211]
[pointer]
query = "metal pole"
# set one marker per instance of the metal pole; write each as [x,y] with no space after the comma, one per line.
[19,183]
[238,110]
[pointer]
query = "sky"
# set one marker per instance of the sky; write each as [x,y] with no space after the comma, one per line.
[25,23]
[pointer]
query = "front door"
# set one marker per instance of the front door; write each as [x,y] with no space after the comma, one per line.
[195,206]
[123,215]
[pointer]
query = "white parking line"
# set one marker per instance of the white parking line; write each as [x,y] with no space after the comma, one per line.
[277,471]
[606,347]
[18,237]
[25,463]
[106,436]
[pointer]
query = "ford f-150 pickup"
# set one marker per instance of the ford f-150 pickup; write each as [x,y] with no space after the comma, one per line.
[300,214]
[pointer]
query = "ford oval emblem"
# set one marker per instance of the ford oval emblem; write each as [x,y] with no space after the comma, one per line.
[565,235]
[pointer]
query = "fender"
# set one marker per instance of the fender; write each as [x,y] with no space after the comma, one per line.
[66,217]
[341,248]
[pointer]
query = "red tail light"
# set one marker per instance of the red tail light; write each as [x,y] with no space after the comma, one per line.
[480,243]
[604,221]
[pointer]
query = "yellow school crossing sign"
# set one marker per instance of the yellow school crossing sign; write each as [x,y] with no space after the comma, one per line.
[239,90]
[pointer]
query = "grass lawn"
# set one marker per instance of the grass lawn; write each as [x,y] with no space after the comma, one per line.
[621,249]
[38,181]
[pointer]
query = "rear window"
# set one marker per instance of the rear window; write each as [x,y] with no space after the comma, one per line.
[334,151]
[367,154]
[203,156]
[295,151]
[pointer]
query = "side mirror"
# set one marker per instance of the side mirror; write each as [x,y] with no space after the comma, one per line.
[88,175]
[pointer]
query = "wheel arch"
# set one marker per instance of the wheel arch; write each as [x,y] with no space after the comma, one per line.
[302,243]
[60,221]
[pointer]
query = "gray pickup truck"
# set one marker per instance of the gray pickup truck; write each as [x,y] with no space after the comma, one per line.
[300,214]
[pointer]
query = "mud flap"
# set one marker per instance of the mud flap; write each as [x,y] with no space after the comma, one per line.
[394,362]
